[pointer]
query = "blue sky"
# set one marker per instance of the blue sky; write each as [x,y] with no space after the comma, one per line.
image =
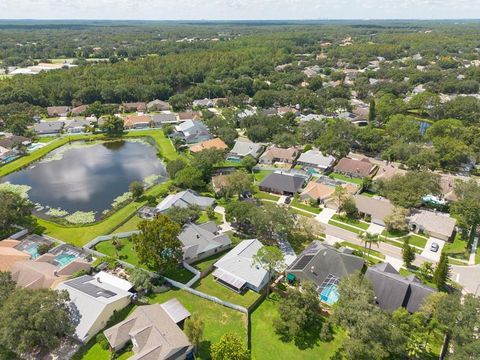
[238,9]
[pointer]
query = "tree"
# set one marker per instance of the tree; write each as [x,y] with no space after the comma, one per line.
[174,166]
[467,207]
[35,320]
[7,286]
[300,315]
[248,162]
[349,208]
[141,280]
[113,125]
[271,259]
[372,114]
[205,161]
[194,329]
[229,347]
[237,183]
[189,178]
[14,210]
[397,220]
[183,215]
[337,139]
[157,244]
[368,239]
[340,195]
[136,188]
[442,273]
[408,253]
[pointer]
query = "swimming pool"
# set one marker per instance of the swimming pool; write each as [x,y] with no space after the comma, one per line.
[32,250]
[64,259]
[329,294]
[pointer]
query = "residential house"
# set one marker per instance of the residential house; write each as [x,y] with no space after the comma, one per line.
[189,115]
[375,208]
[215,143]
[393,290]
[355,168]
[219,183]
[433,223]
[312,117]
[275,154]
[154,332]
[282,183]
[314,159]
[158,120]
[322,193]
[192,132]
[203,103]
[76,126]
[9,255]
[184,199]
[61,111]
[79,110]
[202,241]
[133,107]
[244,148]
[96,301]
[325,266]
[48,127]
[137,122]
[12,142]
[5,153]
[158,105]
[283,110]
[45,271]
[238,271]
[388,170]
[311,71]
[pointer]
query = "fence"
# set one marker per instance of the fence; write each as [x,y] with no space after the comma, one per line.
[100,239]
[197,273]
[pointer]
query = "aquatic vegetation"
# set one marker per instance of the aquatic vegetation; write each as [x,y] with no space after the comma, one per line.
[121,199]
[21,190]
[56,212]
[81,217]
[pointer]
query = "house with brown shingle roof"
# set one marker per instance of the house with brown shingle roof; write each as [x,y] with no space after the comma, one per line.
[79,110]
[376,208]
[9,256]
[189,115]
[61,111]
[355,168]
[137,122]
[215,143]
[133,106]
[275,154]
[322,192]
[432,223]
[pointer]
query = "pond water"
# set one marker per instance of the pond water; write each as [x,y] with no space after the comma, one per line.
[88,176]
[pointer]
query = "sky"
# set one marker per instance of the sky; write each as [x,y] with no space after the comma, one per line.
[239,9]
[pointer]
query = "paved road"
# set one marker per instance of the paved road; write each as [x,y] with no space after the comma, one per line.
[468,277]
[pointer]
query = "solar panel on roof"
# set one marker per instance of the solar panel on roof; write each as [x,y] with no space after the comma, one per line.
[82,284]
[304,260]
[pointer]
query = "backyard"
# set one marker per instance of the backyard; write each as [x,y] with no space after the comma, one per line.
[338,176]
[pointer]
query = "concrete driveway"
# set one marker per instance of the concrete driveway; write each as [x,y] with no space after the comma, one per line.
[325,216]
[375,229]
[430,255]
[468,277]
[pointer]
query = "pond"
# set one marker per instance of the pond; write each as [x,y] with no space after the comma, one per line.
[88,177]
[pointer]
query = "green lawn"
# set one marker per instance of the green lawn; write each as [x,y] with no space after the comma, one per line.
[218,319]
[46,139]
[266,344]
[344,226]
[206,263]
[204,218]
[349,221]
[345,178]
[394,234]
[301,205]
[261,174]
[417,240]
[457,248]
[130,225]
[266,196]
[301,212]
[209,286]
[361,248]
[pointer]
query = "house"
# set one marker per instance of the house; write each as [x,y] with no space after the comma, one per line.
[203,103]
[244,148]
[133,106]
[9,255]
[283,110]
[12,142]
[393,290]
[215,143]
[184,199]
[432,223]
[192,132]
[61,111]
[237,269]
[314,159]
[375,208]
[202,241]
[219,182]
[282,183]
[48,127]
[5,153]
[79,110]
[137,122]
[189,115]
[312,117]
[45,272]
[76,126]
[388,170]
[154,332]
[325,266]
[158,105]
[158,120]
[96,301]
[275,154]
[355,168]
[322,193]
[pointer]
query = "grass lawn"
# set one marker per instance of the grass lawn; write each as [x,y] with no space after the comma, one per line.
[46,139]
[209,286]
[300,212]
[266,344]
[266,196]
[218,319]
[344,226]
[300,205]
[204,218]
[354,222]
[362,248]
[130,225]
[345,178]
[417,240]
[261,174]
[458,248]
[394,234]
[206,263]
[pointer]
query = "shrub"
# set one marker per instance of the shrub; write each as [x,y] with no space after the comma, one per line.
[102,341]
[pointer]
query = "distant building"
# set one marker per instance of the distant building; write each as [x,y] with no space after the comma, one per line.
[55,111]
[215,143]
[314,159]
[192,132]
[275,154]
[355,168]
[158,105]
[48,127]
[137,122]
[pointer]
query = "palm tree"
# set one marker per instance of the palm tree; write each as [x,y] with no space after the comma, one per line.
[368,239]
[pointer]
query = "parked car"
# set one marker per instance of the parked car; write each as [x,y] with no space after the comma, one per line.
[434,247]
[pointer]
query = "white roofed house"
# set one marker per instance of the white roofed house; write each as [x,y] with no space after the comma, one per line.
[184,199]
[243,148]
[192,131]
[237,269]
[314,159]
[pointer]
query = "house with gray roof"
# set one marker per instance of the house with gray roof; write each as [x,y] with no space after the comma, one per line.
[244,148]
[204,103]
[282,183]
[158,120]
[184,199]
[48,127]
[393,290]
[95,301]
[325,266]
[435,224]
[237,269]
[314,159]
[76,126]
[376,208]
[192,131]
[202,241]
[154,332]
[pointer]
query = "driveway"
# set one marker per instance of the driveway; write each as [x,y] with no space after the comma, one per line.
[289,255]
[468,277]
[375,229]
[325,216]
[430,255]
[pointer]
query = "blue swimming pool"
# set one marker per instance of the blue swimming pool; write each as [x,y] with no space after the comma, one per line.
[33,251]
[64,259]
[329,294]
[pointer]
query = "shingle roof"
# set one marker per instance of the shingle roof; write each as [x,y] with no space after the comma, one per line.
[316,158]
[283,182]
[393,290]
[275,152]
[184,199]
[48,126]
[164,118]
[434,222]
[362,168]
[244,148]
[9,255]
[209,144]
[377,208]
[136,119]
[197,239]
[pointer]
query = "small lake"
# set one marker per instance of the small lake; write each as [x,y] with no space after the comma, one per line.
[88,176]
